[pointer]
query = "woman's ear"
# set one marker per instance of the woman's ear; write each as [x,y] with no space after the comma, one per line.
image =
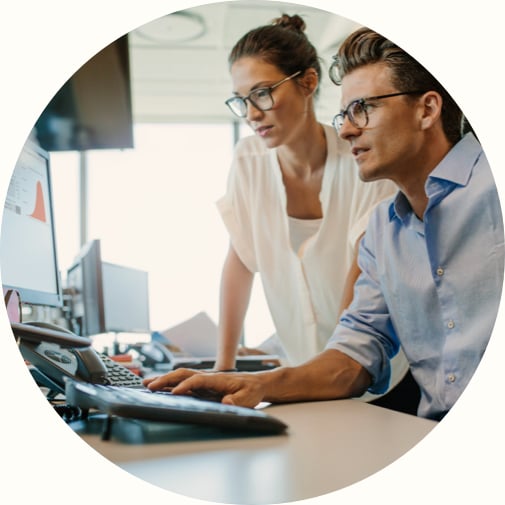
[309,81]
[431,109]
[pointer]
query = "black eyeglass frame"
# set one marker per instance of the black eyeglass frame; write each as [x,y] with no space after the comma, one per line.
[363,101]
[268,89]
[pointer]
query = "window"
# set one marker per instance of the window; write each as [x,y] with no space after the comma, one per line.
[153,208]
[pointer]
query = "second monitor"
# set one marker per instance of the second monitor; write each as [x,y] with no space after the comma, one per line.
[106,297]
[125,299]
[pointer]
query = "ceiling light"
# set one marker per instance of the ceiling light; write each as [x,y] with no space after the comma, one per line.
[173,28]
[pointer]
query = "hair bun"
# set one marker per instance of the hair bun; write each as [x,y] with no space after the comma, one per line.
[294,22]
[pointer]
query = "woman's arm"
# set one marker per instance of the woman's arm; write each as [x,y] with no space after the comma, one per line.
[236,286]
[350,280]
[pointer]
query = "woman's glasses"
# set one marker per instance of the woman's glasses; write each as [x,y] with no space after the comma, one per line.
[261,98]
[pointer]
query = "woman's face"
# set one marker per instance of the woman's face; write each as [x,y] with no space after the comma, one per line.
[284,122]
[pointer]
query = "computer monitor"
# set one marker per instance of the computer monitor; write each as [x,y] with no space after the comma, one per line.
[28,257]
[85,287]
[93,109]
[126,299]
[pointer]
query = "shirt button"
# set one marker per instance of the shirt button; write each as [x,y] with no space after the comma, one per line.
[451,377]
[451,324]
[440,271]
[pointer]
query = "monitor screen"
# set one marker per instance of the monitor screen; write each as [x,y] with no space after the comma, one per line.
[28,258]
[85,286]
[126,299]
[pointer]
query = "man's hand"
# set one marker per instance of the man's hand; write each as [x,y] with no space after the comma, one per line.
[244,389]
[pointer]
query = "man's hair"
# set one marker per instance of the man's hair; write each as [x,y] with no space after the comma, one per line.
[365,46]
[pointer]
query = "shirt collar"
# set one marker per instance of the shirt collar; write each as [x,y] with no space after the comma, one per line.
[458,163]
[456,168]
[399,207]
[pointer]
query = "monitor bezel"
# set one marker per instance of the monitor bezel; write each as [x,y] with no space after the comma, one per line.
[89,261]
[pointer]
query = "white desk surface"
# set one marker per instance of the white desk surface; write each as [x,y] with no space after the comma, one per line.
[328,445]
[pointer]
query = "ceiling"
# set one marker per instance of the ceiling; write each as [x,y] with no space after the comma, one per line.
[178,63]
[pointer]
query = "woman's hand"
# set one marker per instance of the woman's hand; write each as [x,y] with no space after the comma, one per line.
[251,351]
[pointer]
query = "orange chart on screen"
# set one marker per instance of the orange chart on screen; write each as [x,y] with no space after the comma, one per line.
[39,211]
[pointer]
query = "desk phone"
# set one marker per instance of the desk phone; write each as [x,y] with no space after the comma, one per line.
[58,354]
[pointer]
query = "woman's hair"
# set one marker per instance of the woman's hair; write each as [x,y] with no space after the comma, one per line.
[282,43]
[365,46]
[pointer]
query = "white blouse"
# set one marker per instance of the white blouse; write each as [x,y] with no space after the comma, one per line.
[303,291]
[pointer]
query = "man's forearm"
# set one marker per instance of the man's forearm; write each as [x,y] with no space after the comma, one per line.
[329,375]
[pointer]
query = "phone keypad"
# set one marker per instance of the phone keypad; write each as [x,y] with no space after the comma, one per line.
[119,375]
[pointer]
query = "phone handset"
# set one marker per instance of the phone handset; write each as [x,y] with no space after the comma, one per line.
[58,353]
[90,367]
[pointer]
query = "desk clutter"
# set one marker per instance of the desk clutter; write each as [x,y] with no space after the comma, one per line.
[83,384]
[191,344]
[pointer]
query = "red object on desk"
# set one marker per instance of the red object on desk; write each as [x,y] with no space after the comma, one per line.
[127,361]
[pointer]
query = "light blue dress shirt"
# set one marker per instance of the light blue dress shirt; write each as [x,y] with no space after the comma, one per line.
[432,286]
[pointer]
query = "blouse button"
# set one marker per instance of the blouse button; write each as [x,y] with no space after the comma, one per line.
[451,324]
[451,377]
[440,271]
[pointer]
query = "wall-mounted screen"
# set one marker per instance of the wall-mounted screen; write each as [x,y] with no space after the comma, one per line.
[92,110]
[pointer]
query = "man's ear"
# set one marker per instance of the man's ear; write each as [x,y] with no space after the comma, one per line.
[431,109]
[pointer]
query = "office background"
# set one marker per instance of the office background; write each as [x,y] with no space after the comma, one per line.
[152,206]
[449,471]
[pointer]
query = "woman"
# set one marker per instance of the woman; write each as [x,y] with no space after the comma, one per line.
[294,207]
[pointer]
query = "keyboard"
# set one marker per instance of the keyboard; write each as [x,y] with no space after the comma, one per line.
[164,406]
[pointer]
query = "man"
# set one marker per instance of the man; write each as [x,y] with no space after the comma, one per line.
[431,259]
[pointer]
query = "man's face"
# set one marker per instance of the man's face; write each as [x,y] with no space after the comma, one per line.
[388,146]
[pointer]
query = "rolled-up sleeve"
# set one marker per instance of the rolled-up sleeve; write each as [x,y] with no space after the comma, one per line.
[365,332]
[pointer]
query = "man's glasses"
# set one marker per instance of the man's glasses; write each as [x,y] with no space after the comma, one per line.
[261,98]
[334,71]
[357,110]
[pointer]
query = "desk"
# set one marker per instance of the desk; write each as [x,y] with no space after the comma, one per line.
[329,445]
